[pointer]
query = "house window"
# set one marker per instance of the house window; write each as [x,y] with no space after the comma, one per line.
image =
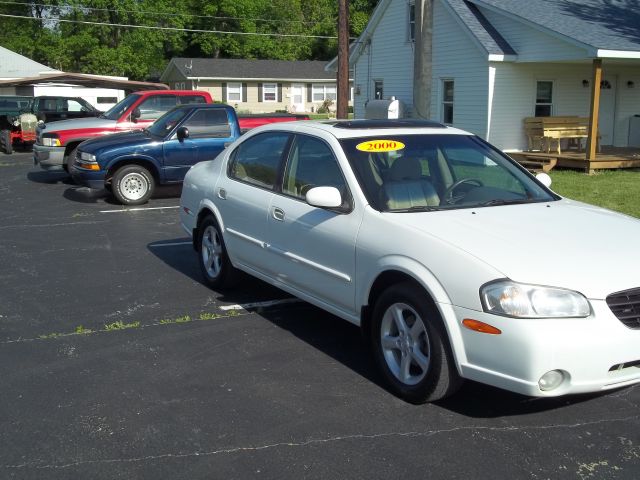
[269,92]
[322,92]
[412,22]
[378,89]
[234,92]
[447,101]
[544,98]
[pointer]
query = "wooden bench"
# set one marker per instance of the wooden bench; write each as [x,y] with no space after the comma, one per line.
[546,130]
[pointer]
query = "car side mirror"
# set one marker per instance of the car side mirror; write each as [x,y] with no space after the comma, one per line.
[324,197]
[182,133]
[135,115]
[544,179]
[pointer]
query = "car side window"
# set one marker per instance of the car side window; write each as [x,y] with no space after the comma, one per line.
[73,105]
[155,106]
[257,159]
[311,163]
[209,123]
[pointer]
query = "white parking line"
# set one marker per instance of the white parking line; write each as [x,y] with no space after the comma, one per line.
[170,244]
[269,303]
[123,210]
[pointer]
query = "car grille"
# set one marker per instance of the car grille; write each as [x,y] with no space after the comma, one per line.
[626,306]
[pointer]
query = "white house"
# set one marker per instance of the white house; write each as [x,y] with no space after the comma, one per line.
[495,62]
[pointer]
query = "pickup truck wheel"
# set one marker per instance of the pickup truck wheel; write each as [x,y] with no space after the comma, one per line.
[214,262]
[5,142]
[132,185]
[411,346]
[69,159]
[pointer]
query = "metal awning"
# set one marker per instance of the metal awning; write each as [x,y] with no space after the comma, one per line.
[85,80]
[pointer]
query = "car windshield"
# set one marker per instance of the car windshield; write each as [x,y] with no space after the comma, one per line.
[115,112]
[413,173]
[162,126]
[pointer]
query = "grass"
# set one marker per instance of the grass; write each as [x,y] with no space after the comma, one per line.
[617,190]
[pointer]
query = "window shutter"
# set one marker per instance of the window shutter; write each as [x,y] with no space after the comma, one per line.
[280,92]
[309,94]
[224,92]
[260,92]
[244,92]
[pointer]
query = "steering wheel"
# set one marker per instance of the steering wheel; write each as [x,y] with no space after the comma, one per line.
[448,196]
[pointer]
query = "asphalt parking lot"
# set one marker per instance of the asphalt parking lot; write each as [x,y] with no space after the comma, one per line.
[116,362]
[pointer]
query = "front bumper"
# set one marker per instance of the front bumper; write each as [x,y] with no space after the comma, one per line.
[591,352]
[49,158]
[89,178]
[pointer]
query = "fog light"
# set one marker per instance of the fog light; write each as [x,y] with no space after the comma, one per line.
[551,380]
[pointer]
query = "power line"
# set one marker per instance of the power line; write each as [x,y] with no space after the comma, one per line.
[166,14]
[175,29]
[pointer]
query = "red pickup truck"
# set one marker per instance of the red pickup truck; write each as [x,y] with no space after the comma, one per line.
[57,142]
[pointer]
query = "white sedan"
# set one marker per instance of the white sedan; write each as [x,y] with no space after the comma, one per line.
[454,260]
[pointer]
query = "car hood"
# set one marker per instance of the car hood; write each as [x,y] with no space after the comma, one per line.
[80,123]
[128,139]
[564,244]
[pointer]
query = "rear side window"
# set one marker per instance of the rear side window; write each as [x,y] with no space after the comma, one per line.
[257,159]
[155,106]
[209,123]
[185,99]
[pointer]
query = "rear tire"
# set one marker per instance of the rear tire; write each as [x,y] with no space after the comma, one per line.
[216,268]
[411,346]
[132,185]
[5,142]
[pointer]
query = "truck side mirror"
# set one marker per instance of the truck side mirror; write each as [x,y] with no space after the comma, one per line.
[135,115]
[182,133]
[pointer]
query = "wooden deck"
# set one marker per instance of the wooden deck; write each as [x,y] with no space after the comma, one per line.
[609,158]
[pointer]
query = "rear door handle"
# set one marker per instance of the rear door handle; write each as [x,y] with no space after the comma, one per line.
[278,214]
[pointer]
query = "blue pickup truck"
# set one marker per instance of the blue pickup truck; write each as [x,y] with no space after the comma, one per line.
[129,165]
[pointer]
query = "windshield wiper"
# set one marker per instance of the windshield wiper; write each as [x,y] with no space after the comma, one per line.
[501,201]
[415,208]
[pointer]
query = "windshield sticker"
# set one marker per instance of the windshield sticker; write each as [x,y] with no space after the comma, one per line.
[380,146]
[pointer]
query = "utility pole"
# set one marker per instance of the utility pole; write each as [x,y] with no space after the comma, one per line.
[342,107]
[422,58]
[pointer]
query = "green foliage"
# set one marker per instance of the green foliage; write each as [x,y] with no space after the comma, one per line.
[120,325]
[138,53]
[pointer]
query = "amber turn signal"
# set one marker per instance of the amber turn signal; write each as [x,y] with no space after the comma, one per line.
[481,327]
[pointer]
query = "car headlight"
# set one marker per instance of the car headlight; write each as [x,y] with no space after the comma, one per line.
[87,157]
[50,141]
[512,299]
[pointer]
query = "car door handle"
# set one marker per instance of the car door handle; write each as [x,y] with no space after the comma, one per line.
[278,214]
[222,193]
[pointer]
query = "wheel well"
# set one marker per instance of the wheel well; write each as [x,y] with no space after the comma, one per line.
[70,146]
[132,161]
[205,212]
[381,283]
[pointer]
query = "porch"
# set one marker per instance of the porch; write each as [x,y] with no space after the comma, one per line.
[608,158]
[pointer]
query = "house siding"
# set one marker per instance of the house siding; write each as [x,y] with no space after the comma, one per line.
[514,98]
[457,57]
[389,57]
[532,45]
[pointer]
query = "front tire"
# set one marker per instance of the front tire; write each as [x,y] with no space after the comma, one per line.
[69,159]
[132,185]
[216,268]
[5,141]
[411,347]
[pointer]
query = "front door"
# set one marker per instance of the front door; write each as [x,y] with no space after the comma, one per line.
[606,118]
[297,97]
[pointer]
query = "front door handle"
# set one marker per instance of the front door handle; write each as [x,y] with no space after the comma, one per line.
[278,214]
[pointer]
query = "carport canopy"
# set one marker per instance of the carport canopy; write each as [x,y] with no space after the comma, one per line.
[85,80]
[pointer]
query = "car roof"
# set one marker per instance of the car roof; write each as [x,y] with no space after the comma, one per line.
[364,128]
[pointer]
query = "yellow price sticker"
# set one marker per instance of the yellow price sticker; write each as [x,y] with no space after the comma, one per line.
[380,146]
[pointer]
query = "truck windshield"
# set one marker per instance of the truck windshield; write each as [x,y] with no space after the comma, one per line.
[166,123]
[115,112]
